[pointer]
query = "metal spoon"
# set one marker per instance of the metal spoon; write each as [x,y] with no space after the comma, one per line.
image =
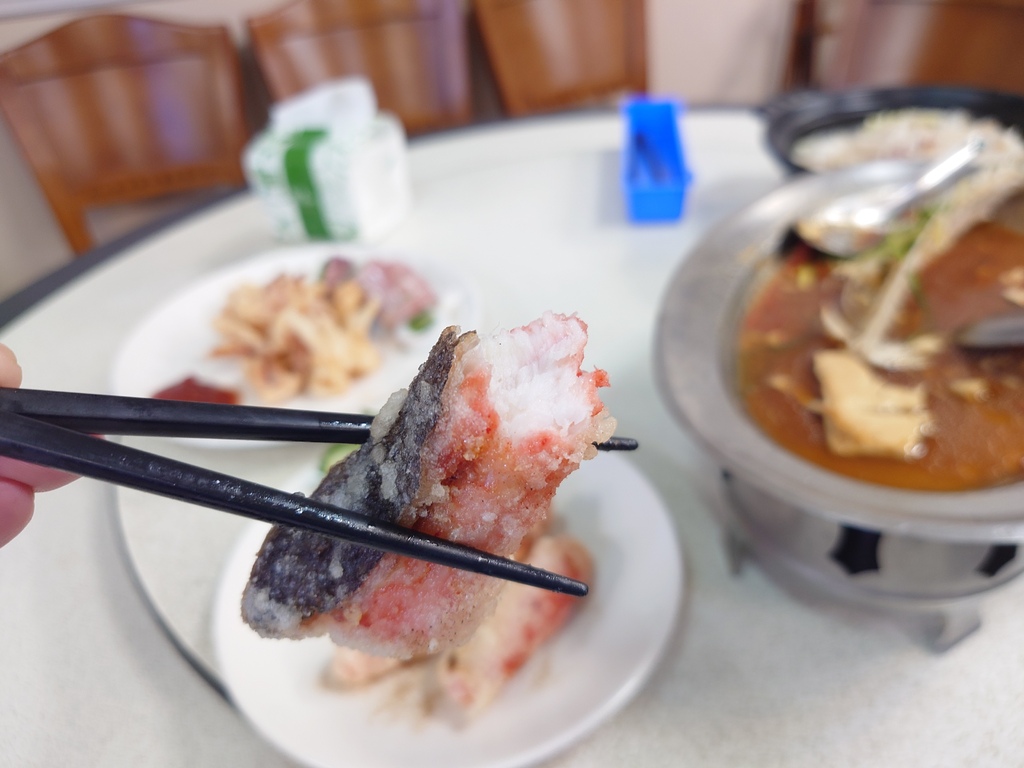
[992,333]
[854,223]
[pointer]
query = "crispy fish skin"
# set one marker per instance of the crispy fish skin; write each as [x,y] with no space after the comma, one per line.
[299,574]
[473,453]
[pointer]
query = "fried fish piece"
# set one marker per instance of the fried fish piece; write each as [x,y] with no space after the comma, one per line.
[473,452]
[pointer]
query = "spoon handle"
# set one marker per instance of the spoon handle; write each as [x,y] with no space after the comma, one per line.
[992,333]
[940,174]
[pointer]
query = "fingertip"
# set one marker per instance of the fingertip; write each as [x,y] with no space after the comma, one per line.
[16,504]
[10,371]
[36,477]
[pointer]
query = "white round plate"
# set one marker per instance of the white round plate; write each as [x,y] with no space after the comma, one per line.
[176,339]
[573,684]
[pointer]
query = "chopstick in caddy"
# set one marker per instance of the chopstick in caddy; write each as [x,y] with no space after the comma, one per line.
[26,435]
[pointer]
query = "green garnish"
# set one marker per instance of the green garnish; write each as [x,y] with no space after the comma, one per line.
[421,320]
[897,244]
[334,454]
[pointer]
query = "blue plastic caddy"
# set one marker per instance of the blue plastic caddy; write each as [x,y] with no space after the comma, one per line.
[654,173]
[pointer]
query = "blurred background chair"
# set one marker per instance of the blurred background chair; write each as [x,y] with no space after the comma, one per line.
[804,30]
[414,52]
[553,54]
[883,43]
[113,109]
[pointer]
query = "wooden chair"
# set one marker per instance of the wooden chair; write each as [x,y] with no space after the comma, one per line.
[929,42]
[414,52]
[113,109]
[552,54]
[804,30]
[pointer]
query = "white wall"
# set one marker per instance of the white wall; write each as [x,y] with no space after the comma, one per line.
[717,51]
[702,51]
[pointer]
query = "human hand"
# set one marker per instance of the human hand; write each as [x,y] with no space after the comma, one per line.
[19,482]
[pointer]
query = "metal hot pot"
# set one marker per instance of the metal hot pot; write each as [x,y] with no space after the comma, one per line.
[927,556]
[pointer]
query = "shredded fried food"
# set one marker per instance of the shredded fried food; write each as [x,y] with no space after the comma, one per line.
[298,335]
[909,133]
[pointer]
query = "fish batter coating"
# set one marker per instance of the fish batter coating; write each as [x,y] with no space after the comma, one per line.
[471,676]
[473,452]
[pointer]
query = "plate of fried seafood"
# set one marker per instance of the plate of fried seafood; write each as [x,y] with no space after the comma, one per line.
[319,326]
[347,656]
[327,706]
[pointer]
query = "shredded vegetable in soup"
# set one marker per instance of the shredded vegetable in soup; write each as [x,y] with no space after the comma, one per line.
[955,423]
[851,364]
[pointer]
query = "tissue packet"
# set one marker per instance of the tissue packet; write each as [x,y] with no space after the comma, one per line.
[330,167]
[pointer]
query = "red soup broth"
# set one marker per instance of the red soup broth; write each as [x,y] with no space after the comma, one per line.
[978,439]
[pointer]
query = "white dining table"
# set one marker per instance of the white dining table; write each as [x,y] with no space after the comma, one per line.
[105,659]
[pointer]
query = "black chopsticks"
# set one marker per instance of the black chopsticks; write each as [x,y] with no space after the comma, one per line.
[47,428]
[116,415]
[36,442]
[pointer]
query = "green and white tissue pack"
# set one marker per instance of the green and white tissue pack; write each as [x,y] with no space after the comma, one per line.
[330,166]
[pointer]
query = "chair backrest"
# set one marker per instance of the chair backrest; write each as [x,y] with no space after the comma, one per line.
[976,43]
[552,54]
[414,52]
[799,70]
[112,109]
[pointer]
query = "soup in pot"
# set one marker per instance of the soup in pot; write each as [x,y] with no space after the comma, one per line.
[950,420]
